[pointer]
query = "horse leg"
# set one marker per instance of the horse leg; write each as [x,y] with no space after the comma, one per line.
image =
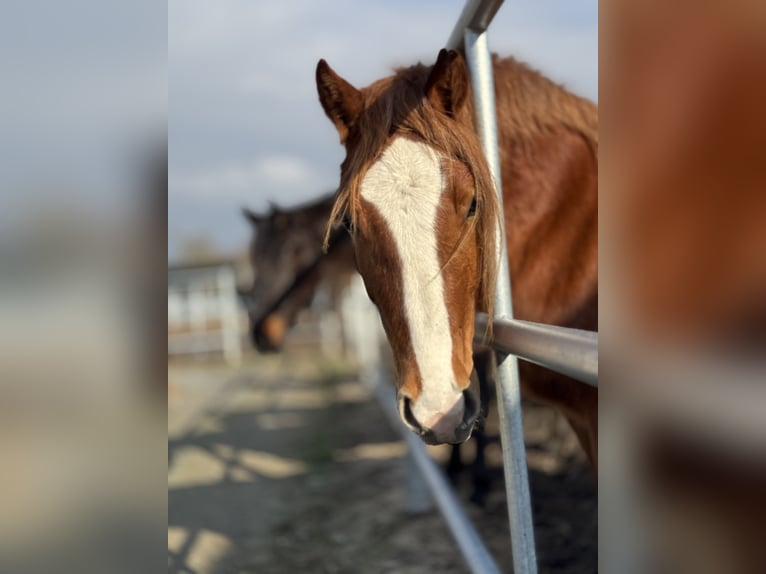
[481,475]
[454,464]
[484,363]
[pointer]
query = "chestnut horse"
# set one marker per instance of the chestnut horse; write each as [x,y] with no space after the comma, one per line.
[289,264]
[416,193]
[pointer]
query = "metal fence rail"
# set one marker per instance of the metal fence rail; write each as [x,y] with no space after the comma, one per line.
[476,15]
[571,352]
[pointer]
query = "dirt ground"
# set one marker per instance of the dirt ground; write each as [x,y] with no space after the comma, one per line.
[288,465]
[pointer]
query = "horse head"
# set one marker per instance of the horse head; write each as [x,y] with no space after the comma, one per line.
[285,244]
[417,198]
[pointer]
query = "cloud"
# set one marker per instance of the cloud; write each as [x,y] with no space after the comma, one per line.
[241,182]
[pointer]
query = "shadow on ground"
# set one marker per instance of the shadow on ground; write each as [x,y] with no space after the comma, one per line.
[296,470]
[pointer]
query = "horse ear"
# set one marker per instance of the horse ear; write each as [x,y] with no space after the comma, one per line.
[447,85]
[252,216]
[341,101]
[280,220]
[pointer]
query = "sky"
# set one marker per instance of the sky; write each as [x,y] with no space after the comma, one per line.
[245,127]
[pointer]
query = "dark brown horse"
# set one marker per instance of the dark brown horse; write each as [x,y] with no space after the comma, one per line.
[416,192]
[288,264]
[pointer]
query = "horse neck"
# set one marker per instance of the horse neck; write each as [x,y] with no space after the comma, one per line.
[550,188]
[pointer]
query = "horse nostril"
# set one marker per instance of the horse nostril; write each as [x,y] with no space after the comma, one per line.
[257,337]
[262,342]
[471,406]
[409,417]
[443,430]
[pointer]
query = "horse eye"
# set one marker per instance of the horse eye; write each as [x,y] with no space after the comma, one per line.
[472,209]
[347,225]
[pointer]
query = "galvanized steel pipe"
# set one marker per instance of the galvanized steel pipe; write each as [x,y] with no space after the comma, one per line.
[476,17]
[571,352]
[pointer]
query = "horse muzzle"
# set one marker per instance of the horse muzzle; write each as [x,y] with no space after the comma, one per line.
[268,335]
[451,427]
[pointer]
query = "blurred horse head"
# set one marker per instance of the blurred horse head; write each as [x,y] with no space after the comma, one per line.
[288,265]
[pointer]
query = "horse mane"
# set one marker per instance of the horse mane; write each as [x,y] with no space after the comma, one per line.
[396,106]
[530,104]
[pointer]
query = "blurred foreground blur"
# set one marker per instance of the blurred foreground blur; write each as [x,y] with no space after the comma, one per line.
[82,234]
[683,284]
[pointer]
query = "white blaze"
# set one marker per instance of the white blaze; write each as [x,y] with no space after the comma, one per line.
[406,185]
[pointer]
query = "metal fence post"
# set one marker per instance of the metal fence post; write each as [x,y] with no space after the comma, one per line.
[479,62]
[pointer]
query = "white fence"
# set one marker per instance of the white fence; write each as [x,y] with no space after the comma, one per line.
[204,312]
